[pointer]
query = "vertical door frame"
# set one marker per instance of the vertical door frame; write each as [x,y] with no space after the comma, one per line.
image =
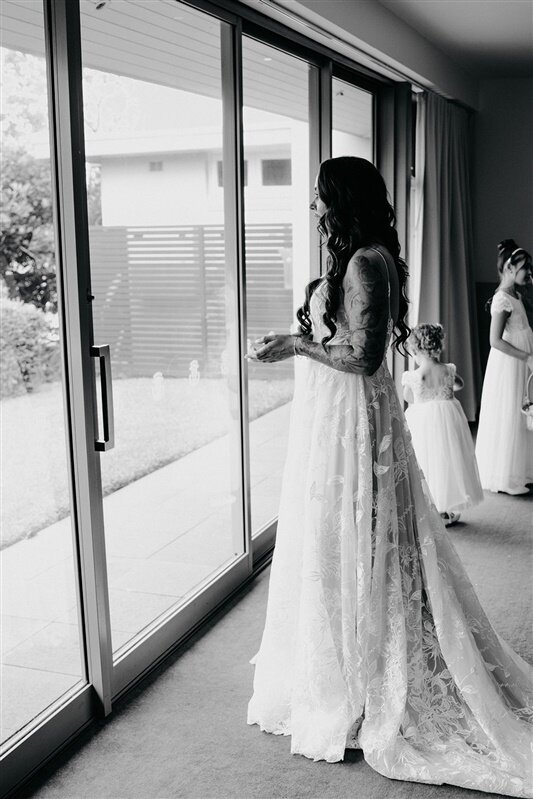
[62,22]
[234,242]
[320,123]
[315,157]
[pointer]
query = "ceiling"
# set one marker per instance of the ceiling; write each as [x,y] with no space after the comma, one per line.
[487,38]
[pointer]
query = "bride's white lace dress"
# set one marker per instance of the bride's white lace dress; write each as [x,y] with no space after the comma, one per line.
[374,636]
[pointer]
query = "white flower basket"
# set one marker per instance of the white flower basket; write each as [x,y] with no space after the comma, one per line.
[527,407]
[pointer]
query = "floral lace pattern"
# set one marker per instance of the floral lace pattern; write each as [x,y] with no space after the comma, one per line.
[424,393]
[362,321]
[374,637]
[511,305]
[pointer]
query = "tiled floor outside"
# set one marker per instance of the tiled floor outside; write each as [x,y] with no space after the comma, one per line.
[165,533]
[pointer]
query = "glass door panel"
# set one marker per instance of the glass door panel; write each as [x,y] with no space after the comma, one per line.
[277,238]
[42,656]
[163,291]
[352,120]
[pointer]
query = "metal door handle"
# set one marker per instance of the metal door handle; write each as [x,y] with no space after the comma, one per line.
[103,353]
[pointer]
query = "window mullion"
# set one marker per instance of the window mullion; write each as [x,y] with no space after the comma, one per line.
[68,159]
[234,179]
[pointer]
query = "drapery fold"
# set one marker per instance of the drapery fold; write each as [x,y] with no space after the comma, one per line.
[442,283]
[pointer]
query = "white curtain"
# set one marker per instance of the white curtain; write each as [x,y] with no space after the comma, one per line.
[441,260]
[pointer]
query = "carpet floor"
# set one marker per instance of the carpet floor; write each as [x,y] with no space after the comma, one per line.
[182,733]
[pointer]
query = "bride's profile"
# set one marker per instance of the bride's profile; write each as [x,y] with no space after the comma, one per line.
[374,637]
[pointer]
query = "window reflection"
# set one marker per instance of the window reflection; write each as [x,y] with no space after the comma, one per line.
[276,145]
[351,121]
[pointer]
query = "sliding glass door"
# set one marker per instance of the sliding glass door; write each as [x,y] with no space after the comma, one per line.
[164,304]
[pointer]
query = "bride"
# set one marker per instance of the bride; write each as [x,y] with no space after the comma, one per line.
[374,637]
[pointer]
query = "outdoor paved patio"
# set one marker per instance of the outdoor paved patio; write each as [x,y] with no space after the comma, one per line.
[165,533]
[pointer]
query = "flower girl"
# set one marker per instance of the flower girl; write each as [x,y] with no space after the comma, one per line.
[441,436]
[504,446]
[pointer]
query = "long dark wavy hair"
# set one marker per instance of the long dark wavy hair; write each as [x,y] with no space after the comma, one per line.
[358,214]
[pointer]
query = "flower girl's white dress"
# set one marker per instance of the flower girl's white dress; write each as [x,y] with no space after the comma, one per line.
[443,443]
[374,637]
[504,446]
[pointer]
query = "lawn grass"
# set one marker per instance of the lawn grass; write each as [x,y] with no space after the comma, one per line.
[154,425]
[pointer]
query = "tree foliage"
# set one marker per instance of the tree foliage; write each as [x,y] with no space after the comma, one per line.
[27,260]
[26,229]
[28,348]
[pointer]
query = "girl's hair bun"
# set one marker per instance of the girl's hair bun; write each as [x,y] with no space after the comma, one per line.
[509,249]
[427,338]
[507,244]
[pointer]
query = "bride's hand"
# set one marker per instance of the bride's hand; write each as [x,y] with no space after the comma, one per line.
[271,348]
[257,344]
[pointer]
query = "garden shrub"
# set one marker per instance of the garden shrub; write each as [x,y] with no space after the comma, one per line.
[29,348]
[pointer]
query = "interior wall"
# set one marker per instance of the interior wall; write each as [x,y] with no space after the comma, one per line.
[503,183]
[376,30]
[503,164]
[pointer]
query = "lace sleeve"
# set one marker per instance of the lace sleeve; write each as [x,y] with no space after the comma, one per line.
[366,305]
[501,302]
[452,370]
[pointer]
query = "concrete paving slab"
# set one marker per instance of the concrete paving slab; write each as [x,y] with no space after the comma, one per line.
[35,555]
[164,577]
[210,542]
[16,629]
[117,566]
[46,596]
[55,648]
[27,692]
[132,611]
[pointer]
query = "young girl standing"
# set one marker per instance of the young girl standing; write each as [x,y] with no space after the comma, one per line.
[504,446]
[441,436]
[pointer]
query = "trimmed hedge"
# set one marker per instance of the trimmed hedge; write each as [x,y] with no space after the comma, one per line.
[29,348]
